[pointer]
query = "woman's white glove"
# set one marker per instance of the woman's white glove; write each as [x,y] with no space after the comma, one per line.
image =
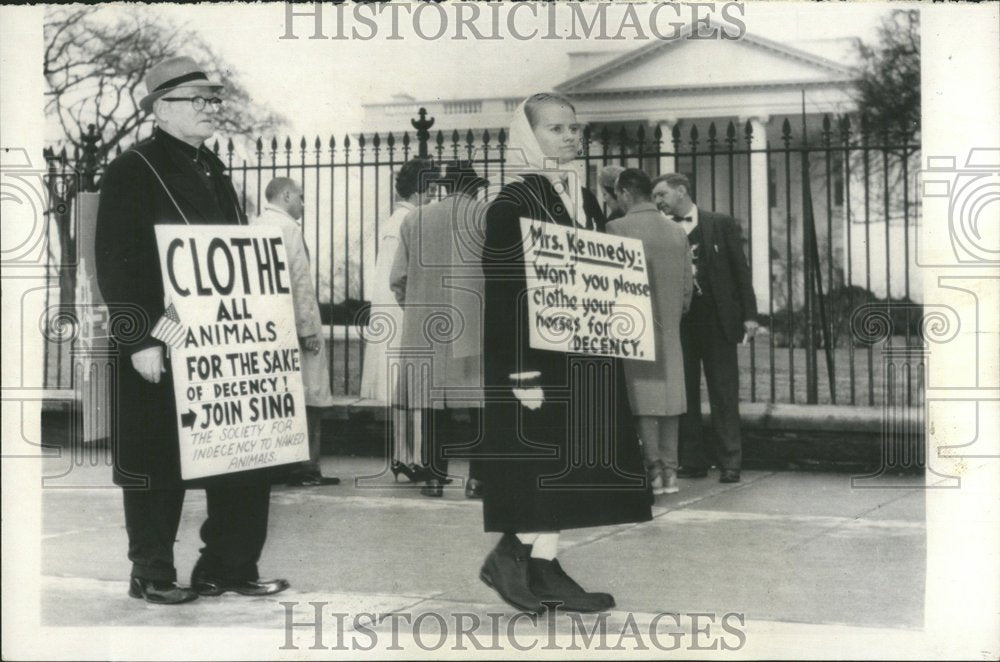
[149,363]
[529,396]
[532,398]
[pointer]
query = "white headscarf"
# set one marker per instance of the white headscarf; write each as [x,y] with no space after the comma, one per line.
[525,155]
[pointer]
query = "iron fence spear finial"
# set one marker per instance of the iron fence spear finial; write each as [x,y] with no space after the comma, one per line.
[422,125]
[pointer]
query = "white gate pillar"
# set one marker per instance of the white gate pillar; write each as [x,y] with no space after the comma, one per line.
[668,163]
[760,241]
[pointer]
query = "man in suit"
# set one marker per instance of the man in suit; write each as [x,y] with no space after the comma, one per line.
[169,178]
[723,311]
[656,388]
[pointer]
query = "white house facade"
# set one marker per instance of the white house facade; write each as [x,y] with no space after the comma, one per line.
[752,83]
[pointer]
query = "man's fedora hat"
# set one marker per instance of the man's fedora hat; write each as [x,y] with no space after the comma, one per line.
[171,74]
[461,176]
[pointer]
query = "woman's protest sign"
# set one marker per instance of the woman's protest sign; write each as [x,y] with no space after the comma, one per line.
[234,352]
[588,292]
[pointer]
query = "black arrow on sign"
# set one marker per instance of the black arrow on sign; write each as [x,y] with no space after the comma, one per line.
[187,420]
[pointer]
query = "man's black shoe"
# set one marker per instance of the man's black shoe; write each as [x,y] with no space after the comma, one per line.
[253,587]
[729,476]
[691,472]
[160,593]
[505,570]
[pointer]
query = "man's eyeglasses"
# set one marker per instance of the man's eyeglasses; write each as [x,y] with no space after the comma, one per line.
[199,103]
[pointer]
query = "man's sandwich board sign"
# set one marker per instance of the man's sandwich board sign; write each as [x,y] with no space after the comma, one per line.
[234,352]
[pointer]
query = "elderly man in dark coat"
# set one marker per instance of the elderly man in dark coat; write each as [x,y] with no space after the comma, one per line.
[170,178]
[656,388]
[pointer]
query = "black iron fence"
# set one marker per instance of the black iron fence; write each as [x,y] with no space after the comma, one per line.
[829,214]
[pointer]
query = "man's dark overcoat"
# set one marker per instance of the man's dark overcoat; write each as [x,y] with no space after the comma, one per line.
[132,202]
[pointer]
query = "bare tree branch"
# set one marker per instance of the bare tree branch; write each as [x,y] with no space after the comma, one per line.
[888,90]
[95,63]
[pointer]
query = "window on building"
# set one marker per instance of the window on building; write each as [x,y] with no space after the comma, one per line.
[463,107]
[510,105]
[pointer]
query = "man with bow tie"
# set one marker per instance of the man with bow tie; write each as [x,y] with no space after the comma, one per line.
[723,311]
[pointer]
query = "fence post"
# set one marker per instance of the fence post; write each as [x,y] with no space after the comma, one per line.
[88,159]
[808,281]
[422,125]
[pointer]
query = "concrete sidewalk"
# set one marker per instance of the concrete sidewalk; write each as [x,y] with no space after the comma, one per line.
[780,547]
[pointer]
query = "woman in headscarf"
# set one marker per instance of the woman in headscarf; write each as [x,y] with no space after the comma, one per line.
[385,328]
[559,433]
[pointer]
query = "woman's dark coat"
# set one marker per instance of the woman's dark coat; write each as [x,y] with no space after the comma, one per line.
[574,462]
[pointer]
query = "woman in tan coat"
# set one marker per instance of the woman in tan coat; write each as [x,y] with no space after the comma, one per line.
[437,279]
[379,373]
[656,388]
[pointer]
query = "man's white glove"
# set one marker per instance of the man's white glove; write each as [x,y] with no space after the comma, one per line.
[310,343]
[149,364]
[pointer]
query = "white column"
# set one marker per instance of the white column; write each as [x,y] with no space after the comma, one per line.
[666,126]
[760,243]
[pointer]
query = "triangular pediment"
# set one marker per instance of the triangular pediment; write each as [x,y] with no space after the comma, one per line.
[692,63]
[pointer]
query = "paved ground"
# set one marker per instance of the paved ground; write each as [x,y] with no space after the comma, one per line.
[779,548]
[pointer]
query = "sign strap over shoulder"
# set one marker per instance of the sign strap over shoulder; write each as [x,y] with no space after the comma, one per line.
[166,298]
[160,179]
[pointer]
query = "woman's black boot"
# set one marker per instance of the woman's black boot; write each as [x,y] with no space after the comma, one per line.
[506,572]
[551,584]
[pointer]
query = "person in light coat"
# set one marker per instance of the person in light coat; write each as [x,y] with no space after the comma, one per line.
[656,388]
[437,279]
[385,326]
[283,209]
